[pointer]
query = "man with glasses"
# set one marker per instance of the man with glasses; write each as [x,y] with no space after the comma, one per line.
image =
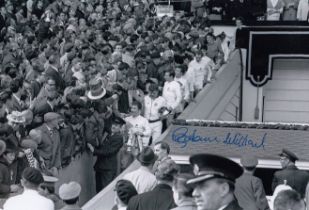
[294,177]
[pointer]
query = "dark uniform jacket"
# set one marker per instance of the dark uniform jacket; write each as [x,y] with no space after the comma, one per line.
[107,152]
[160,198]
[250,193]
[295,178]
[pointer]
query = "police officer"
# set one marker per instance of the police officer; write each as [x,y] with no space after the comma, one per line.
[294,177]
[214,182]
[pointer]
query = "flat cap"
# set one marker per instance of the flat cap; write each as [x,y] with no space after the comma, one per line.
[287,153]
[50,116]
[28,143]
[249,161]
[209,166]
[68,191]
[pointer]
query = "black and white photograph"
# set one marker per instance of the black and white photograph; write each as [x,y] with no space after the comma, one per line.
[154,105]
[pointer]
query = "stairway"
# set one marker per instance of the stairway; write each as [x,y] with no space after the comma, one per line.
[286,96]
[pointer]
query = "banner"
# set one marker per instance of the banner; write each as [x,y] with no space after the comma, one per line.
[236,141]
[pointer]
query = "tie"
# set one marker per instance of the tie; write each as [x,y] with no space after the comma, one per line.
[51,132]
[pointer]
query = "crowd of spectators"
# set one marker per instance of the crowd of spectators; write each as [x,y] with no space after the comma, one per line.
[94,76]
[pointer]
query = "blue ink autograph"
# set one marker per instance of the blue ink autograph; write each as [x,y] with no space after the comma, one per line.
[182,136]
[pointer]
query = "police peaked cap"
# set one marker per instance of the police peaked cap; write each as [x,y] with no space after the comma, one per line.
[209,166]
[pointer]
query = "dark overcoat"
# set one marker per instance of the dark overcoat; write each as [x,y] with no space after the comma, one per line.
[295,178]
[160,198]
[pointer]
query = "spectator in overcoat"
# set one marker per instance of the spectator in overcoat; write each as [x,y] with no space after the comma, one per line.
[49,148]
[106,152]
[143,178]
[249,189]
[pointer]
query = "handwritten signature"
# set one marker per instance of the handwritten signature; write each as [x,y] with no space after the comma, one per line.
[182,136]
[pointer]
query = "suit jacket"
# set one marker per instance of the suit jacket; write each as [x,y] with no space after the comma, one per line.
[250,192]
[295,178]
[233,206]
[107,152]
[49,148]
[160,198]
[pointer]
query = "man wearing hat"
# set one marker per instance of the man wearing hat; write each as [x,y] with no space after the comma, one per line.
[214,182]
[106,151]
[294,177]
[143,178]
[249,189]
[30,199]
[49,147]
[69,193]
